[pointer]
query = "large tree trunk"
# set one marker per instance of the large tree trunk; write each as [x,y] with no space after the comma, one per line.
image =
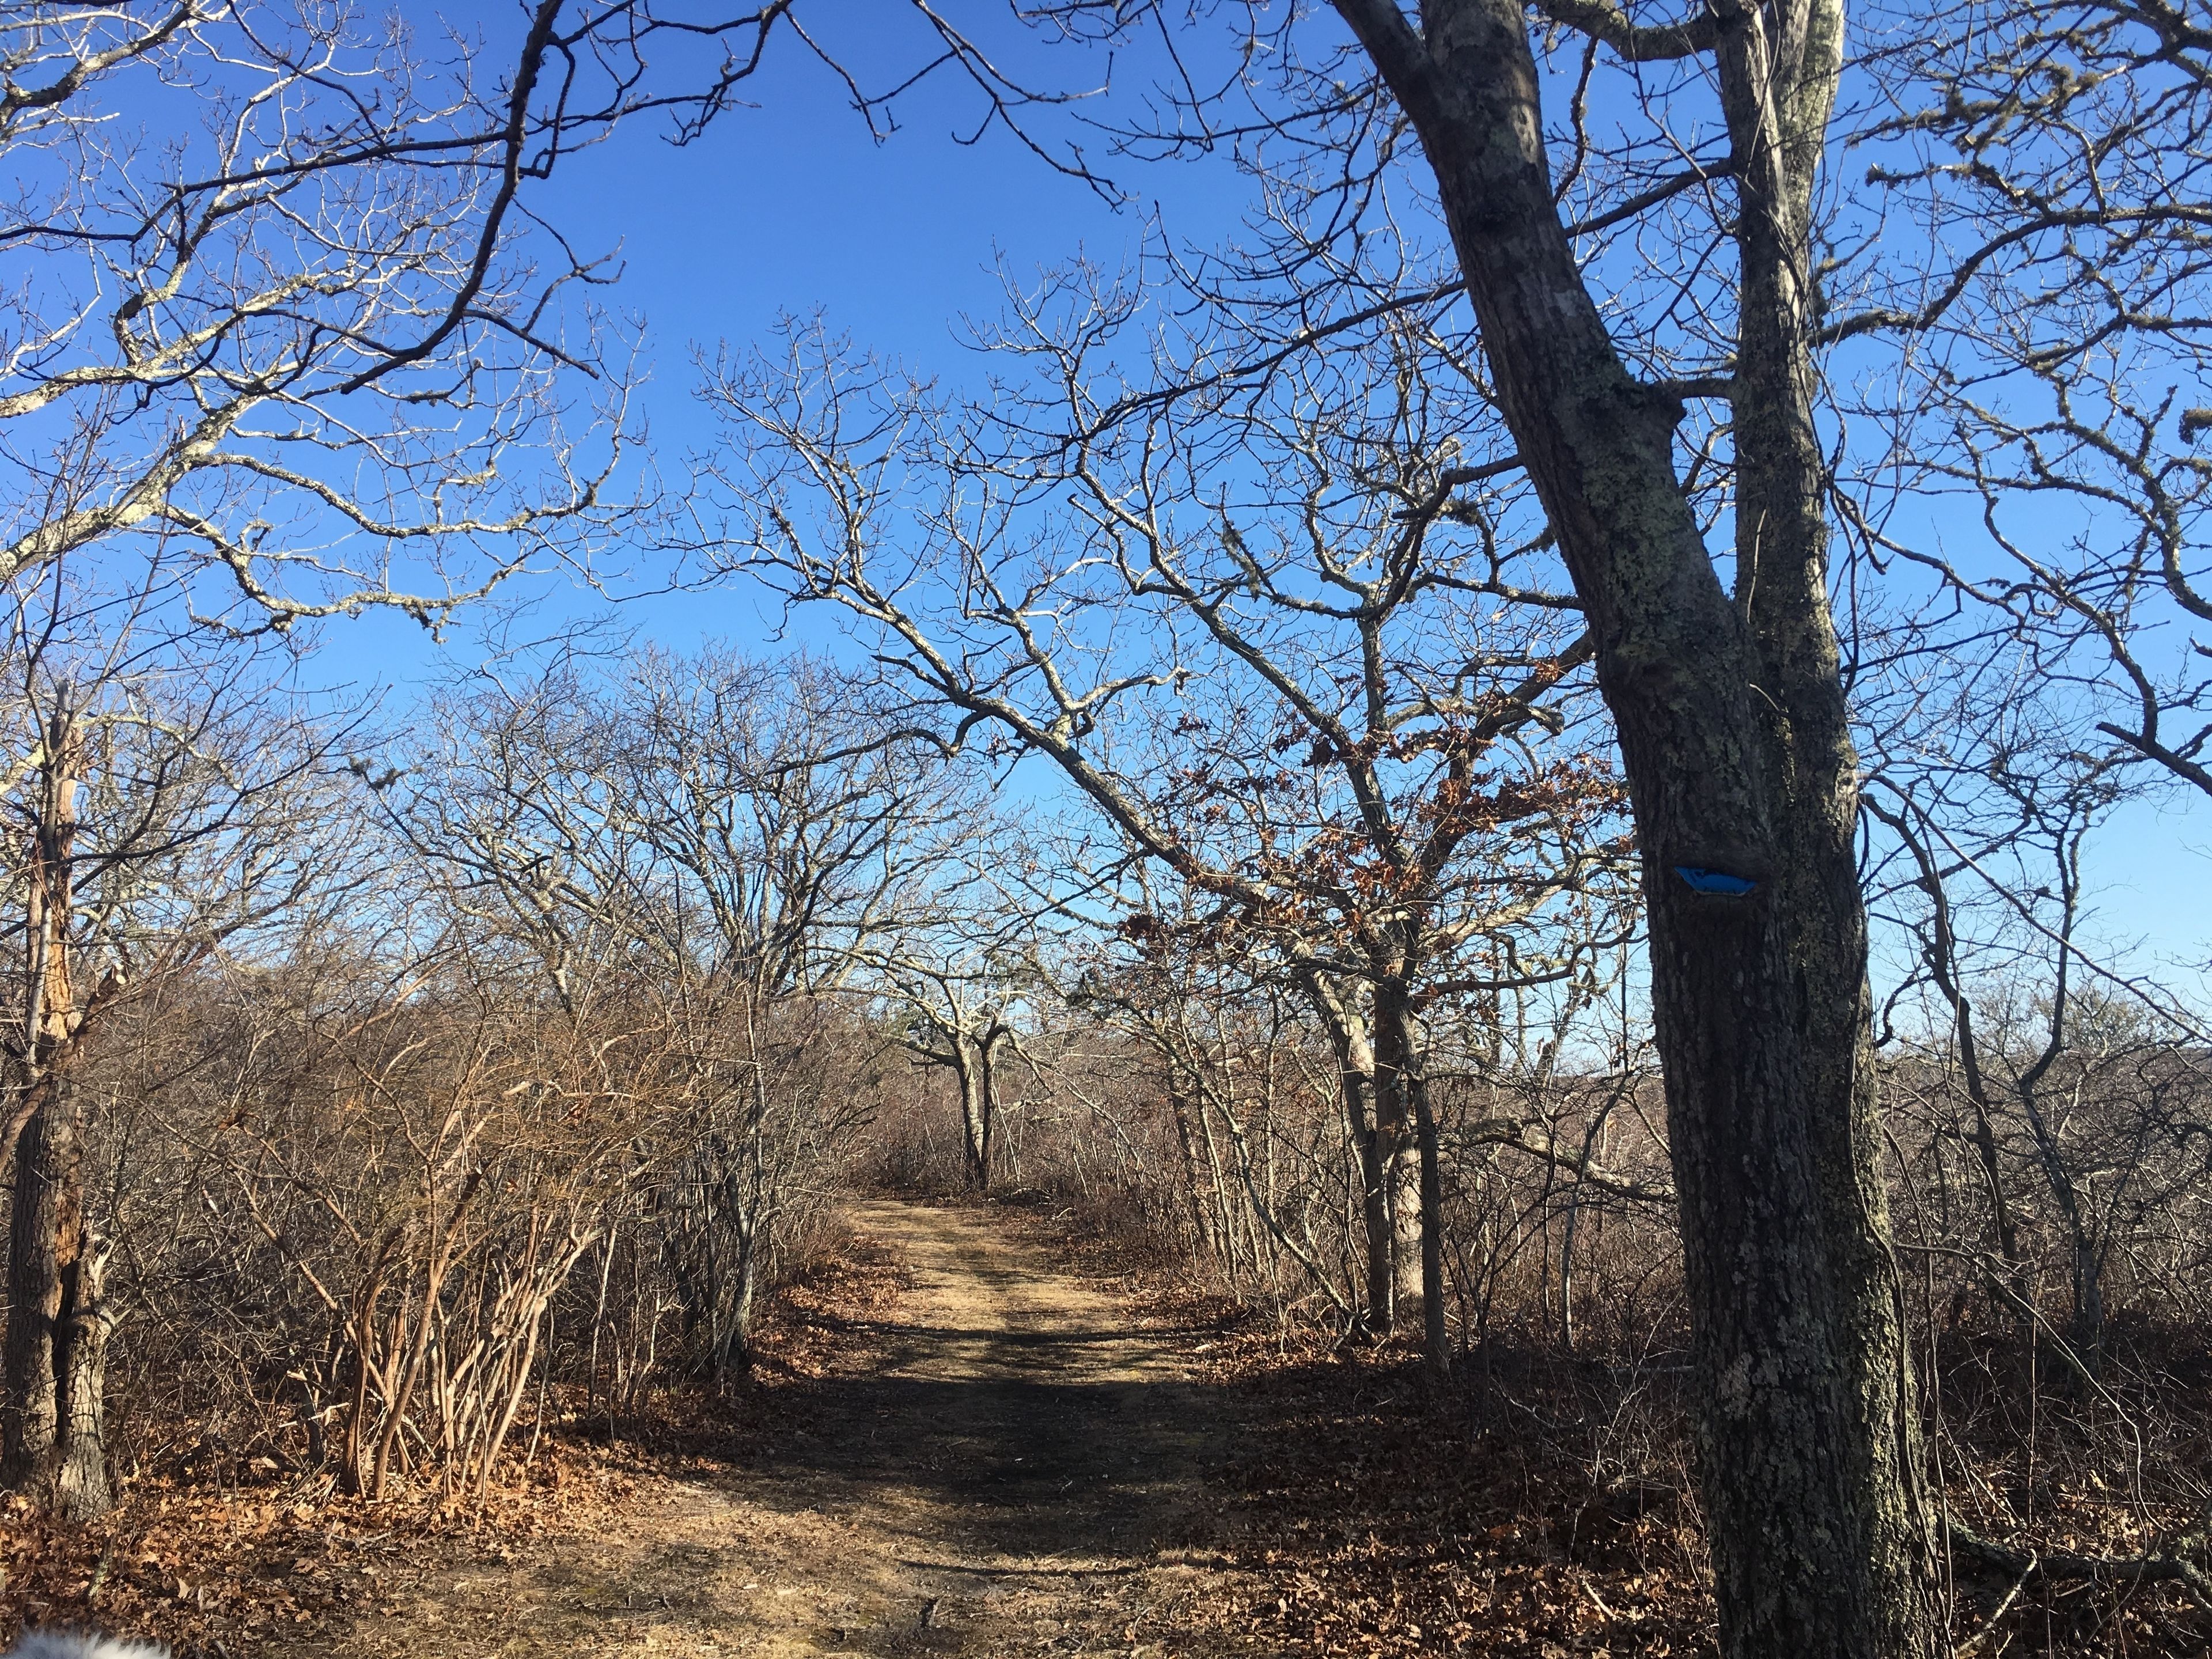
[975,1150]
[1399,1154]
[52,1446]
[81,1488]
[986,1101]
[1378,1133]
[1436,1342]
[1389,1188]
[736,1354]
[47,1164]
[1734,732]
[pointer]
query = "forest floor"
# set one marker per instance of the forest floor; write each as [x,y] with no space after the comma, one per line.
[975,1433]
[955,1446]
[1006,1460]
[972,1432]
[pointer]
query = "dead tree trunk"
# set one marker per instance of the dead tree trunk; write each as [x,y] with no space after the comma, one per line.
[56,1330]
[52,1432]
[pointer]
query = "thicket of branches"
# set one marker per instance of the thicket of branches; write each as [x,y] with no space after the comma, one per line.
[1301,794]
[493,1083]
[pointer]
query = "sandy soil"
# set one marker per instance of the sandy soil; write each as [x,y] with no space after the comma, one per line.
[1020,1470]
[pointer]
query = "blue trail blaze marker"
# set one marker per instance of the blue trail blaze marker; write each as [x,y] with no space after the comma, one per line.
[1717,882]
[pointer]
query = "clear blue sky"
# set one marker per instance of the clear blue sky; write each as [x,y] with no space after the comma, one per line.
[791,205]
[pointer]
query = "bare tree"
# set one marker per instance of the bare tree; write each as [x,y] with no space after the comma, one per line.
[1224,1030]
[304,342]
[1664,287]
[2039,331]
[732,833]
[1995,892]
[951,1015]
[1307,727]
[163,812]
[319,331]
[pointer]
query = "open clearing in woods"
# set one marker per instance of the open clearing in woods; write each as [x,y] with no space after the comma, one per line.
[1016,1467]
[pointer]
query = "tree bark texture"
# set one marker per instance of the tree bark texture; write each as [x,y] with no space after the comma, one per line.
[1416,1193]
[1386,1176]
[50,1315]
[1436,1340]
[1734,733]
[52,1447]
[971,1065]
[1375,1180]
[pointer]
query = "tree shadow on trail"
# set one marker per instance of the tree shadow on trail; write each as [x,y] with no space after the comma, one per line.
[1010,1462]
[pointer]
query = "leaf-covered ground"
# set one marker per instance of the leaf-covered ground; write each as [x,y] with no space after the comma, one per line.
[972,1431]
[1540,1504]
[251,1563]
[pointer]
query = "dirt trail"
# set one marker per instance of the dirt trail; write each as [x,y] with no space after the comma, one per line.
[1021,1471]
